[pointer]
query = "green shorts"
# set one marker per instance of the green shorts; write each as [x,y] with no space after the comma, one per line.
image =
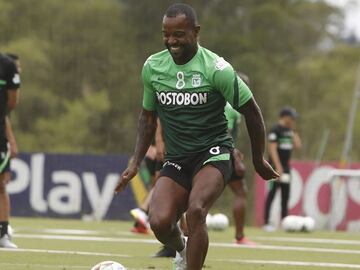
[183,170]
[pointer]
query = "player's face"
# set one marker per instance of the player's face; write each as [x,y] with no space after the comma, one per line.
[180,38]
[289,122]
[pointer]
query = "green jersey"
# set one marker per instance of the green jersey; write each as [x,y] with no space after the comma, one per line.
[190,100]
[233,118]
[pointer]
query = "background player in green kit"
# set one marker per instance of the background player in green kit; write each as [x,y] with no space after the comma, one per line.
[187,86]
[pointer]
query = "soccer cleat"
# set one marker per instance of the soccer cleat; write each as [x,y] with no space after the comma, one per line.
[139,228]
[165,252]
[140,216]
[269,228]
[6,243]
[245,241]
[179,262]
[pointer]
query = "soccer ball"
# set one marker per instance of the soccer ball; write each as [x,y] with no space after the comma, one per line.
[108,265]
[293,223]
[219,222]
[308,224]
[209,221]
[298,224]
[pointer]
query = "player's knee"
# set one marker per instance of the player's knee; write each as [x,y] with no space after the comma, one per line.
[160,224]
[196,214]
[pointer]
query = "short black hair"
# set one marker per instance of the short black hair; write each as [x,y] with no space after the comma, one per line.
[182,9]
[288,111]
[13,56]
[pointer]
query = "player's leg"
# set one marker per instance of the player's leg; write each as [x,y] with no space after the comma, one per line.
[4,211]
[270,197]
[285,195]
[208,185]
[239,207]
[168,202]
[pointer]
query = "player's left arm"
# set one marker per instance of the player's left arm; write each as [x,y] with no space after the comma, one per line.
[256,129]
[297,140]
[238,94]
[11,138]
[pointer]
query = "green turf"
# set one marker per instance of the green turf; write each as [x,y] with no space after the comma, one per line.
[222,258]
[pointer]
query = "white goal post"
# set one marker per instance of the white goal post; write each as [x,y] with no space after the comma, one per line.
[337,177]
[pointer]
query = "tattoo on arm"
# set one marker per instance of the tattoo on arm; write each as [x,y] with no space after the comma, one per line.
[145,134]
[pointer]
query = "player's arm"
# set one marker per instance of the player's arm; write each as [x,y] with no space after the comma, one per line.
[256,129]
[273,152]
[238,94]
[11,137]
[145,132]
[297,141]
[159,142]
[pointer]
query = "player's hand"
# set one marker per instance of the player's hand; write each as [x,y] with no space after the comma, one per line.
[126,176]
[279,170]
[264,169]
[239,166]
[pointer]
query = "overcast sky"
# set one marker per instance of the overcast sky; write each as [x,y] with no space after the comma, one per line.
[352,14]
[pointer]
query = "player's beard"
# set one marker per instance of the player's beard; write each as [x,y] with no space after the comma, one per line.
[182,53]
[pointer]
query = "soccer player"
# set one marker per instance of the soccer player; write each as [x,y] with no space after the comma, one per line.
[237,182]
[9,94]
[187,86]
[282,139]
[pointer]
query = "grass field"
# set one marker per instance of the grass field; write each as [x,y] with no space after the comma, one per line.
[51,244]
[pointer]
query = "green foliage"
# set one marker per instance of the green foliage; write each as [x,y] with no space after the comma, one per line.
[82,59]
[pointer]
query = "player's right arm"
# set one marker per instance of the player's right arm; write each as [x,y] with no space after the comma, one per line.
[159,142]
[273,151]
[145,132]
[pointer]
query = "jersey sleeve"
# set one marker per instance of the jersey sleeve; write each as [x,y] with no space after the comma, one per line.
[273,135]
[12,77]
[232,116]
[233,89]
[149,97]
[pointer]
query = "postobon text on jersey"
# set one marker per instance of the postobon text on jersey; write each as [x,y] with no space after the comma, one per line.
[182,98]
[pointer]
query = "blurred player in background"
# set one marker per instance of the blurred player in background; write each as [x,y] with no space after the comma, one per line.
[282,139]
[187,86]
[10,134]
[237,182]
[9,95]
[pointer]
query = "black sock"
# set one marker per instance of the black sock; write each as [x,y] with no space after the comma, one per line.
[3,228]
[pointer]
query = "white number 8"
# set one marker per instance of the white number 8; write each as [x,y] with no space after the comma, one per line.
[180,82]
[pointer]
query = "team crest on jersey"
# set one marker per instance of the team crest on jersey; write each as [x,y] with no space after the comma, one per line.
[221,64]
[196,80]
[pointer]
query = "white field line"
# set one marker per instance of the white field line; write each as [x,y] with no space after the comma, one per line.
[26,265]
[309,240]
[66,252]
[264,238]
[60,266]
[213,244]
[70,231]
[295,263]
